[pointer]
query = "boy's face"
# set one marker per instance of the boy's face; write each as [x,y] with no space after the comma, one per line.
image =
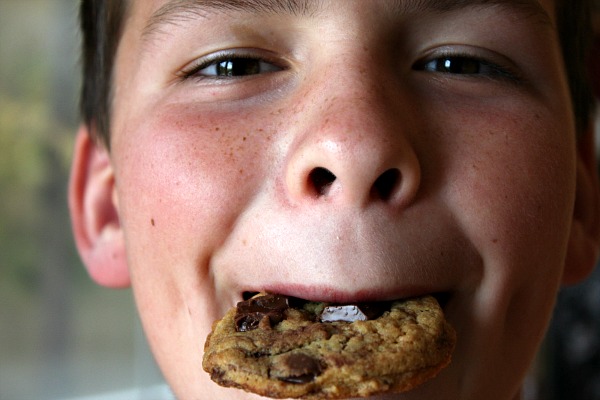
[345,151]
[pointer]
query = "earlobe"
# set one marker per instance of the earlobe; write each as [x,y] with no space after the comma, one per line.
[584,240]
[94,213]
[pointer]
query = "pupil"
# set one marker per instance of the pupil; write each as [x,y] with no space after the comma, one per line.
[238,67]
[460,66]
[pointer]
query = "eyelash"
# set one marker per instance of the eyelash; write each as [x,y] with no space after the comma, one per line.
[217,60]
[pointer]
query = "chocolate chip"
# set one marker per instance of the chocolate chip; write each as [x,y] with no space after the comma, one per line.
[353,312]
[250,312]
[299,368]
[248,322]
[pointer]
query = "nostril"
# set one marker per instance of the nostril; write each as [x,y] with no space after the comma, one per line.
[321,179]
[386,184]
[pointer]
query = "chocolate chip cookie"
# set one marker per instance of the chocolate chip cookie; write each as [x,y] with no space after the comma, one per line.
[284,347]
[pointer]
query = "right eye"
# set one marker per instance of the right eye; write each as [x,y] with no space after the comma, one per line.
[231,66]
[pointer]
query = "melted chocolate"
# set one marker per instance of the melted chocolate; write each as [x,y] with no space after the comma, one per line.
[249,313]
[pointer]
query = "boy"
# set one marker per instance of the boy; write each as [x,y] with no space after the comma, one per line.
[339,151]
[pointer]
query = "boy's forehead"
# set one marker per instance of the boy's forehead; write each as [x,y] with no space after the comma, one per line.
[157,13]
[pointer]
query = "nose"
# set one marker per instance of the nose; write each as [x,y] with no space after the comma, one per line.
[354,149]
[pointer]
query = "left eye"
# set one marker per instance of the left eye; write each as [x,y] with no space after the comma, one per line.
[230,67]
[462,65]
[454,65]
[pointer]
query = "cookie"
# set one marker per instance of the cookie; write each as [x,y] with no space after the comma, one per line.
[284,347]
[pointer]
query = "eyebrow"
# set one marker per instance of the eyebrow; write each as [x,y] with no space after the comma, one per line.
[175,12]
[531,8]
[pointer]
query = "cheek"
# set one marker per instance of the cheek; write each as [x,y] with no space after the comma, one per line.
[516,200]
[190,167]
[510,178]
[183,179]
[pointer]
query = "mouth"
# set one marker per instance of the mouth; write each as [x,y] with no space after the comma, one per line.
[443,298]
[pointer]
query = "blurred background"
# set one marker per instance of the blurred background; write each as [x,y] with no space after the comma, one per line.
[63,337]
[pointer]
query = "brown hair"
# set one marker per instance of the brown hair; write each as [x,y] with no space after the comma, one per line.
[574,23]
[102,22]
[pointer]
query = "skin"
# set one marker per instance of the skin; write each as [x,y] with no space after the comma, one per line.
[209,189]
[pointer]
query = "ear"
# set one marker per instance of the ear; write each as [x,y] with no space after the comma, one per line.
[94,213]
[584,241]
